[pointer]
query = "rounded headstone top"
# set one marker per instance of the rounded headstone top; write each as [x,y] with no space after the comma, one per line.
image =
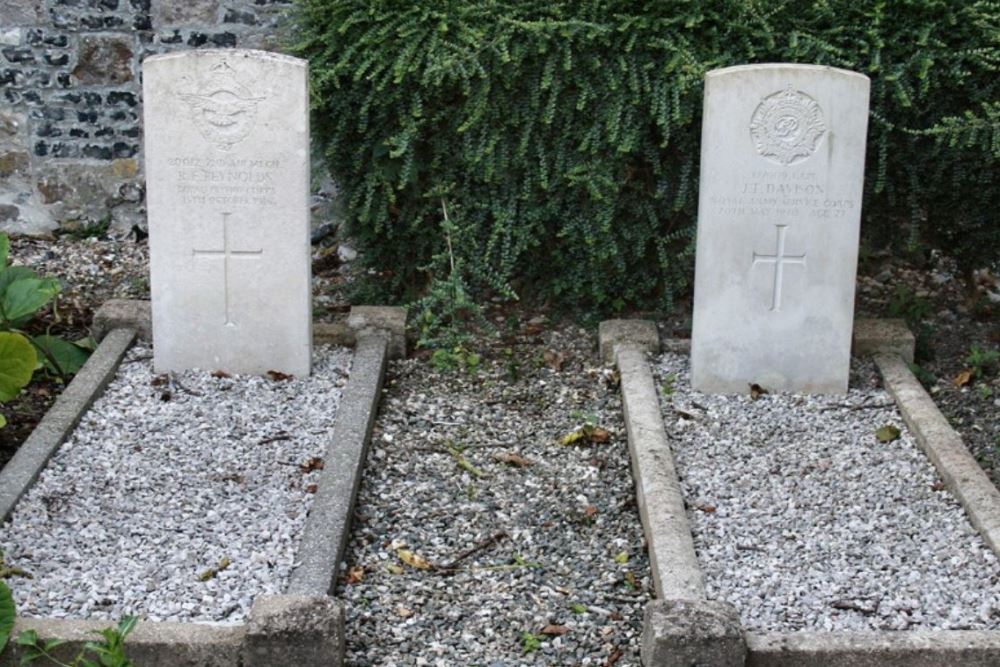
[228,53]
[776,67]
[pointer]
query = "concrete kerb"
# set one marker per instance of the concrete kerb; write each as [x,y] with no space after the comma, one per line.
[682,628]
[328,525]
[304,627]
[944,447]
[927,648]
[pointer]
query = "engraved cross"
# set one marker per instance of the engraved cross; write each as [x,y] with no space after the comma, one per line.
[226,253]
[779,259]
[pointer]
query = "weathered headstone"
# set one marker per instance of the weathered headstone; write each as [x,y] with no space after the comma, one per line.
[227,172]
[782,166]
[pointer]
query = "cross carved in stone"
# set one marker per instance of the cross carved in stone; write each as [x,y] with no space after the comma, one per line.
[226,253]
[779,259]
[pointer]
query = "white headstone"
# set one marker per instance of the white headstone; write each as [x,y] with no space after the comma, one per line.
[227,174]
[782,167]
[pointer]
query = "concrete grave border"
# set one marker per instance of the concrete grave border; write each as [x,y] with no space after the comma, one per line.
[303,627]
[682,627]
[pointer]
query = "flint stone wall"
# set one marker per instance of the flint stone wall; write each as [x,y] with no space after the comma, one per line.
[71,105]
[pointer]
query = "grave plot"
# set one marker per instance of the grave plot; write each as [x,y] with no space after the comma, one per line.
[178,497]
[496,523]
[213,481]
[790,513]
[821,513]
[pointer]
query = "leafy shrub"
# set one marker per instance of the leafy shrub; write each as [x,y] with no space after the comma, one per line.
[567,131]
[22,294]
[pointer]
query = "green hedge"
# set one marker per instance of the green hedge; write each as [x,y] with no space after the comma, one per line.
[563,136]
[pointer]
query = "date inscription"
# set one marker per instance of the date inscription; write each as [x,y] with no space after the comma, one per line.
[782,195]
[227,182]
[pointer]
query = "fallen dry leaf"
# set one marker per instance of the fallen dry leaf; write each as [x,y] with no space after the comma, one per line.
[403,612]
[210,573]
[587,432]
[554,359]
[590,511]
[613,658]
[937,486]
[963,378]
[315,463]
[159,380]
[572,436]
[512,459]
[354,575]
[554,630]
[600,435]
[221,374]
[278,376]
[887,433]
[756,391]
[394,569]
[707,509]
[414,560]
[312,488]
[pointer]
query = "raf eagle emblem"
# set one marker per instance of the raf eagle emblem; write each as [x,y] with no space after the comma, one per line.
[223,109]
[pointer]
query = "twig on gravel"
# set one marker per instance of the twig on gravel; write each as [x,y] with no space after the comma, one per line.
[852,408]
[452,567]
[445,450]
[176,384]
[135,360]
[847,605]
[275,438]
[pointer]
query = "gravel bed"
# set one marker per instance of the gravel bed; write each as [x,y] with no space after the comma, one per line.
[178,497]
[804,521]
[557,543]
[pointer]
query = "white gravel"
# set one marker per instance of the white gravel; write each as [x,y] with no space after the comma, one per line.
[804,521]
[164,478]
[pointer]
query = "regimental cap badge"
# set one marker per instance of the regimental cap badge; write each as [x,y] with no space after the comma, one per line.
[223,109]
[787,126]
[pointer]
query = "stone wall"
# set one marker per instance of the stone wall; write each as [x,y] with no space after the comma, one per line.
[71,111]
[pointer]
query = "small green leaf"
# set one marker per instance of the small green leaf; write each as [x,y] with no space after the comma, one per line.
[4,254]
[7,614]
[23,297]
[887,433]
[17,363]
[621,558]
[68,357]
[27,638]
[13,274]
[50,644]
[3,421]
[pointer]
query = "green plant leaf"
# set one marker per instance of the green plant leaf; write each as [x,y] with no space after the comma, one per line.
[7,614]
[3,421]
[23,297]
[12,274]
[4,254]
[68,356]
[17,363]
[27,638]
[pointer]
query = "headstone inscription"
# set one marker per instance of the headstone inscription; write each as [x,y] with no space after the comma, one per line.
[782,168]
[227,172]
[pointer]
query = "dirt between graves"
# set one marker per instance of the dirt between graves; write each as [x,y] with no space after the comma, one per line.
[953,320]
